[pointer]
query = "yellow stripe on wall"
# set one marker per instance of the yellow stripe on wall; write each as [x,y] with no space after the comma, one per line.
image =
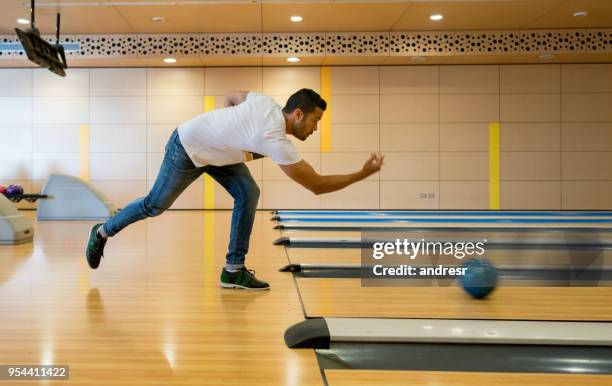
[494,194]
[209,192]
[209,182]
[209,103]
[84,152]
[326,120]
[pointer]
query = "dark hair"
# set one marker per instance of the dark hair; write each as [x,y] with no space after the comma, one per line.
[305,100]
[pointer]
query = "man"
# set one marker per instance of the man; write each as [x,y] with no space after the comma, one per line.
[218,143]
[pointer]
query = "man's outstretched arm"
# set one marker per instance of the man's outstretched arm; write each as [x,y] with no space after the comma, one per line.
[233,98]
[302,173]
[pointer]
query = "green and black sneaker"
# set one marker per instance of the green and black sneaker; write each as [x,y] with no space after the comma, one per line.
[95,247]
[244,279]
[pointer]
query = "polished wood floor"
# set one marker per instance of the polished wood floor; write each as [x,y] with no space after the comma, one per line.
[153,313]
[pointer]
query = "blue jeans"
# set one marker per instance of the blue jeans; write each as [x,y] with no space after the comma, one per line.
[177,172]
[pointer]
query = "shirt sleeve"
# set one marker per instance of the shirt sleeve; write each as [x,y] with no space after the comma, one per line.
[282,152]
[252,94]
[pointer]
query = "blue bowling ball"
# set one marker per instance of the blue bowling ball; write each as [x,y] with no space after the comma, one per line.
[480,277]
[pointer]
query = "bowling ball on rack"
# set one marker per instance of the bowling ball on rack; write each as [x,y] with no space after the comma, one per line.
[14,190]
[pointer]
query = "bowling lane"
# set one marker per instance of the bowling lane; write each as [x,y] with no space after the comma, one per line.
[326,234]
[342,377]
[524,265]
[334,297]
[568,234]
[500,257]
[324,256]
[347,298]
[407,241]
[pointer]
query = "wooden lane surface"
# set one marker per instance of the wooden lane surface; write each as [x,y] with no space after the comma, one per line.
[347,298]
[452,378]
[153,313]
[520,258]
[324,255]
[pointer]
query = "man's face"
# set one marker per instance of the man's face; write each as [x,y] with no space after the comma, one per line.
[305,125]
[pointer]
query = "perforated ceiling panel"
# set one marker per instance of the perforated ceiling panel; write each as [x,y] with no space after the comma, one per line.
[599,40]
[554,41]
[231,44]
[360,44]
[491,42]
[422,43]
[282,44]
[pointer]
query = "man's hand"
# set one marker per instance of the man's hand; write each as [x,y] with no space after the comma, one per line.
[373,164]
[304,174]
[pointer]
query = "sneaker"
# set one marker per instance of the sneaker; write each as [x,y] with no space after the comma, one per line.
[243,278]
[95,247]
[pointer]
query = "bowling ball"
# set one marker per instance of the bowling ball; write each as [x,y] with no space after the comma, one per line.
[480,278]
[14,190]
[2,189]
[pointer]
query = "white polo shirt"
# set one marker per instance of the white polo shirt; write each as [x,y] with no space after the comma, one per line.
[250,130]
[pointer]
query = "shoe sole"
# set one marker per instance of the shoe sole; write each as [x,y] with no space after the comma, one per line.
[87,257]
[238,286]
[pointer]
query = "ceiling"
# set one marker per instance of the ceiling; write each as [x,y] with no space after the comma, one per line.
[102,17]
[226,16]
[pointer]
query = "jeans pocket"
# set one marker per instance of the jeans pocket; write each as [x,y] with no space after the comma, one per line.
[171,140]
[179,158]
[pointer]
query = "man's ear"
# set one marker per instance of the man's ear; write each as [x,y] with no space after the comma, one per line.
[298,114]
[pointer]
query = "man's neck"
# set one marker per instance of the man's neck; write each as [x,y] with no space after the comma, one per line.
[288,125]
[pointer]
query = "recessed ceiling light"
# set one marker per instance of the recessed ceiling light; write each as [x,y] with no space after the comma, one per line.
[436,17]
[547,56]
[296,18]
[169,60]
[293,59]
[23,21]
[158,19]
[418,58]
[580,13]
